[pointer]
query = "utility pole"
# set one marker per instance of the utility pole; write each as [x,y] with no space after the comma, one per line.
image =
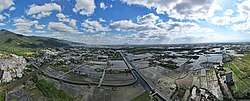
[6,95]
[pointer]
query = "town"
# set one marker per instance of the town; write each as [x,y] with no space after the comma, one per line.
[186,72]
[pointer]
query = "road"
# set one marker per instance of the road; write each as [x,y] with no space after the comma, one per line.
[103,73]
[141,79]
[60,76]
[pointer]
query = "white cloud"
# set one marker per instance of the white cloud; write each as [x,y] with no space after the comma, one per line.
[5,4]
[38,31]
[12,8]
[60,15]
[23,25]
[174,26]
[124,25]
[232,16]
[244,8]
[7,15]
[93,26]
[229,12]
[220,20]
[64,18]
[41,15]
[154,28]
[242,26]
[239,22]
[72,22]
[45,10]
[181,9]
[47,7]
[62,28]
[128,25]
[102,20]
[84,7]
[149,18]
[103,6]
[156,31]
[2,24]
[2,17]
[40,26]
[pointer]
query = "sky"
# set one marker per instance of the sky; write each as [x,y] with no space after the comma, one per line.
[129,21]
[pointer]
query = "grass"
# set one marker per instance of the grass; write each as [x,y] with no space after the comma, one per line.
[244,65]
[26,45]
[143,97]
[13,100]
[52,92]
[22,51]
[116,58]
[181,92]
[2,96]
[117,72]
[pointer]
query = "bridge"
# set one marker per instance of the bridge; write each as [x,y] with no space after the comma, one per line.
[142,81]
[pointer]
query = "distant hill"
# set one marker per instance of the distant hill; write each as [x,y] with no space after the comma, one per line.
[20,44]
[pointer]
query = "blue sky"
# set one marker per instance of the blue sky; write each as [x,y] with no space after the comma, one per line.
[129,21]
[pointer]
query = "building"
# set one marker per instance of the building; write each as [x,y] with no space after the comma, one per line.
[229,78]
[1,74]
[102,57]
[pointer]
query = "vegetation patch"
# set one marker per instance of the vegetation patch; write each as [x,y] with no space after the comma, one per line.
[26,45]
[4,55]
[241,86]
[117,72]
[60,68]
[50,91]
[143,97]
[168,66]
[2,96]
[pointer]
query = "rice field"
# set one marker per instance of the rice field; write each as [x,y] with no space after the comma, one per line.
[240,67]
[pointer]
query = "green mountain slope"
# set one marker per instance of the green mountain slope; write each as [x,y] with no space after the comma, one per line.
[25,45]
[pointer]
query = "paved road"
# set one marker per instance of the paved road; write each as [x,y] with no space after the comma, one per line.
[103,73]
[142,81]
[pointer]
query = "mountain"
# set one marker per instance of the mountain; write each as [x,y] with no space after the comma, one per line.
[20,44]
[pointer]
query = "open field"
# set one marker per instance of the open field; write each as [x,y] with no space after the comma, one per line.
[243,62]
[22,51]
[60,68]
[74,77]
[143,97]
